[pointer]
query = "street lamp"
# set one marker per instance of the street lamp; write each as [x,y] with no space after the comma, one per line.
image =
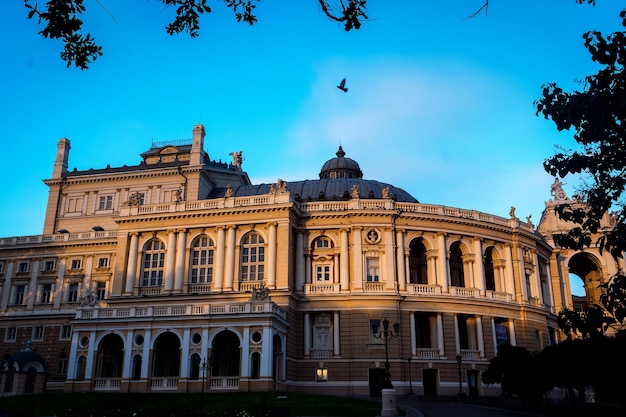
[461,394]
[203,377]
[410,382]
[385,334]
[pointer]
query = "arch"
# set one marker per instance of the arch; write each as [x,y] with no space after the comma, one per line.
[455,264]
[226,354]
[194,364]
[255,365]
[110,357]
[252,257]
[588,268]
[277,358]
[136,368]
[81,368]
[153,262]
[201,258]
[166,356]
[418,266]
[490,276]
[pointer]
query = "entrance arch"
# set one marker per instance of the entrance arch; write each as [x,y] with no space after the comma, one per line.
[587,267]
[166,355]
[226,354]
[110,357]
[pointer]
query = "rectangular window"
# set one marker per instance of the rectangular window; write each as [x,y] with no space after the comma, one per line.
[62,367]
[1,267]
[101,290]
[323,273]
[76,264]
[46,293]
[22,267]
[11,334]
[38,333]
[66,332]
[74,204]
[18,296]
[72,293]
[103,262]
[48,266]
[321,374]
[105,202]
[373,270]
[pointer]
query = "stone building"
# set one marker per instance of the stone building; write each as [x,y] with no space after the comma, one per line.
[179,274]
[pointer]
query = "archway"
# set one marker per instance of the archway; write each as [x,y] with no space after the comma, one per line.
[166,355]
[226,354]
[586,267]
[110,357]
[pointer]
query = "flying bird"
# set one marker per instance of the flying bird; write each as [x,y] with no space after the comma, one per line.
[342,86]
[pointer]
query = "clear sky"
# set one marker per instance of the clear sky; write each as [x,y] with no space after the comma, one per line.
[439,105]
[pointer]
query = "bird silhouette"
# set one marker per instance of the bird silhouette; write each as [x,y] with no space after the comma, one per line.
[342,86]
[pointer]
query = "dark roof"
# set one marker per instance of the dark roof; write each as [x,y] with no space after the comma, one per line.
[324,189]
[25,357]
[341,167]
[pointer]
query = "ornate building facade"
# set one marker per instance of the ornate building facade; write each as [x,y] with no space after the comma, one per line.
[179,275]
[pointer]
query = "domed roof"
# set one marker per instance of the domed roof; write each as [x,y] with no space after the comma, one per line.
[341,167]
[25,359]
[340,179]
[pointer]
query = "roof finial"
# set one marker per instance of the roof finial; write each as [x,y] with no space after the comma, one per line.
[340,153]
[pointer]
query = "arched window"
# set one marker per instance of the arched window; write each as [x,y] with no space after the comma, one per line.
[202,258]
[153,262]
[417,262]
[252,257]
[255,364]
[457,278]
[490,279]
[323,260]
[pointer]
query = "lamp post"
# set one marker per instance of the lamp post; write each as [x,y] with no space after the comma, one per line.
[203,377]
[461,394]
[410,382]
[386,334]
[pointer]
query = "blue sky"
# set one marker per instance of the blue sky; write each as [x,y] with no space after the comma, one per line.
[439,105]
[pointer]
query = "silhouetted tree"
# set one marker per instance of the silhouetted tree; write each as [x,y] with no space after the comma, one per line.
[62,20]
[597,114]
[514,369]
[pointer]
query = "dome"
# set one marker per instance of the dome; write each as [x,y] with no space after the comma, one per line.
[25,359]
[341,167]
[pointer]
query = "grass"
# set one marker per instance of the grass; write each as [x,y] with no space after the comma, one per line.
[258,404]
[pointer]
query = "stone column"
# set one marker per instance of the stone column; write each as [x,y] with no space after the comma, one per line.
[271,256]
[170,261]
[508,271]
[479,268]
[344,260]
[179,271]
[299,261]
[131,269]
[400,264]
[229,270]
[442,255]
[336,334]
[357,259]
[33,291]
[219,259]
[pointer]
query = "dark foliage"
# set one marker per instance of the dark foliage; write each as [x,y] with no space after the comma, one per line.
[597,114]
[62,20]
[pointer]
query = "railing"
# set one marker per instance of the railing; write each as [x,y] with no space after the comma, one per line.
[165,383]
[321,289]
[427,353]
[107,384]
[224,383]
[321,353]
[180,310]
[374,286]
[424,289]
[470,354]
[199,288]
[279,198]
[464,292]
